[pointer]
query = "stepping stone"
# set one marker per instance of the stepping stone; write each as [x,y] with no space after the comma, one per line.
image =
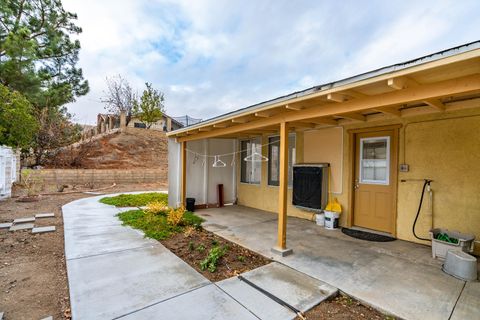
[21,226]
[45,215]
[5,226]
[24,220]
[47,318]
[43,229]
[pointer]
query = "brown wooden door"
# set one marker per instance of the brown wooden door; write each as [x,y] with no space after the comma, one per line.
[375,178]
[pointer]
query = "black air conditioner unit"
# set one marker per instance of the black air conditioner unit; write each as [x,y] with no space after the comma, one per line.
[310,186]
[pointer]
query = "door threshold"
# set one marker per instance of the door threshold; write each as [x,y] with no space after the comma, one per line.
[372,231]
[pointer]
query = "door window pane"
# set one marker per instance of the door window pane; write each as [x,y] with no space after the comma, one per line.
[375,160]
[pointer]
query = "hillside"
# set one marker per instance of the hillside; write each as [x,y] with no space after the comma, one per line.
[133,149]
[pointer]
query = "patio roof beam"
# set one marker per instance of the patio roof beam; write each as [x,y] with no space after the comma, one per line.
[239,120]
[397,83]
[220,125]
[353,116]
[404,82]
[462,85]
[435,103]
[394,111]
[263,114]
[302,124]
[324,121]
[294,107]
[336,97]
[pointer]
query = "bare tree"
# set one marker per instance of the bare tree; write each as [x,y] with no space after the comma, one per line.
[119,96]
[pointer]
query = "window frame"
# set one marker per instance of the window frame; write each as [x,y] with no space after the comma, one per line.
[385,182]
[290,163]
[243,154]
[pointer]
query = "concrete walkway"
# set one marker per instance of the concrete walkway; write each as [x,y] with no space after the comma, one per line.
[399,278]
[114,272]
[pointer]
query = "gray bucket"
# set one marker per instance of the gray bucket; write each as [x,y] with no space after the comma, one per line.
[460,265]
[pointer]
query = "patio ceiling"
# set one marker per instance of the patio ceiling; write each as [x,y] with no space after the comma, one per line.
[442,85]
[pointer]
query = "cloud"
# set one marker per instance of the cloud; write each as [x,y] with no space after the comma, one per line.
[211,57]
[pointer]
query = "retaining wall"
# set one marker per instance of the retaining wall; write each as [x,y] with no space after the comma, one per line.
[100,176]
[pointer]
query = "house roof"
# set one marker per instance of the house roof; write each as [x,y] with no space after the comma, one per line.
[457,62]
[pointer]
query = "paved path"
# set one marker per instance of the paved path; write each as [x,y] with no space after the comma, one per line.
[399,277]
[114,272]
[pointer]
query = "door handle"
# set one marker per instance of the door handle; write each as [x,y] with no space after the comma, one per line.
[356,185]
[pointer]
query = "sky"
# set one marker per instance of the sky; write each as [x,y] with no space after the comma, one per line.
[212,57]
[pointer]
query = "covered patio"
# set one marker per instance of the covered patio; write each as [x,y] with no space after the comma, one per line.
[400,278]
[412,111]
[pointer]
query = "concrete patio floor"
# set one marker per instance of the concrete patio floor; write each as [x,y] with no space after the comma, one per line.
[116,273]
[399,278]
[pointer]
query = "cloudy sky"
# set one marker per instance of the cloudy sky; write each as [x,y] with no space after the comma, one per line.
[210,57]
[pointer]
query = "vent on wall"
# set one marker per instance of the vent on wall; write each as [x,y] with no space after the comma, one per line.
[310,186]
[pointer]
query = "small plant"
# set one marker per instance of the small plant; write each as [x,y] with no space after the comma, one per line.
[188,231]
[214,242]
[30,182]
[241,258]
[191,246]
[201,248]
[211,261]
[157,207]
[175,216]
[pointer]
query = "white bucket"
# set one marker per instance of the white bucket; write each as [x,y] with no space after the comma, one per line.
[320,218]
[331,220]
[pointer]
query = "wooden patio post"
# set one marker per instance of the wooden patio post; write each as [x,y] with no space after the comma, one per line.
[281,247]
[183,194]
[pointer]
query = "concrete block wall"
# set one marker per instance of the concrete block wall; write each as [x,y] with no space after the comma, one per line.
[100,176]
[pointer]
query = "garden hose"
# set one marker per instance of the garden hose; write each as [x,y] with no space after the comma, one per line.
[274,298]
[427,182]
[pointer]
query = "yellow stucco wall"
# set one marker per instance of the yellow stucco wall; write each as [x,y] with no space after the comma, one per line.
[263,196]
[442,147]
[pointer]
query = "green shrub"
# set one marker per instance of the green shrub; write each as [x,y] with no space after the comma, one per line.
[211,261]
[191,219]
[135,200]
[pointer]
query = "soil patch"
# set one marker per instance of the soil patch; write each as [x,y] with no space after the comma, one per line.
[194,247]
[133,149]
[343,307]
[33,278]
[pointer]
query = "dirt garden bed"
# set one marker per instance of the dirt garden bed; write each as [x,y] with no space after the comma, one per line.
[343,307]
[193,248]
[214,257]
[33,277]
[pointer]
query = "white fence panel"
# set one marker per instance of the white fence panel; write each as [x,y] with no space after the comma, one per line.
[7,171]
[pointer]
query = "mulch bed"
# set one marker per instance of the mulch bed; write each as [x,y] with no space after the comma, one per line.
[343,307]
[193,248]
